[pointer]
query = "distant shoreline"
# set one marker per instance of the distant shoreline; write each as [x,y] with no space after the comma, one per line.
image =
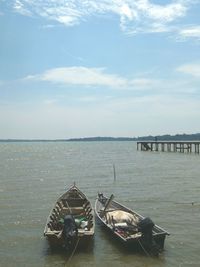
[167,137]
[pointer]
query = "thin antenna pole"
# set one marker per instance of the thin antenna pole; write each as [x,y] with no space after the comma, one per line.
[114,172]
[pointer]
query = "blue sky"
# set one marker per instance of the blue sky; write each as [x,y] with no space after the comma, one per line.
[77,68]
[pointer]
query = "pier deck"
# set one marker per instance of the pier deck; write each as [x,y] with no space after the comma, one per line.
[170,146]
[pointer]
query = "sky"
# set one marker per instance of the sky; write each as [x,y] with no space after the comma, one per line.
[84,68]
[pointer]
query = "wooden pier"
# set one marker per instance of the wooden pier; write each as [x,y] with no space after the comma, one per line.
[169,146]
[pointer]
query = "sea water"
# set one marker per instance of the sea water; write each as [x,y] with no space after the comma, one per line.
[161,185]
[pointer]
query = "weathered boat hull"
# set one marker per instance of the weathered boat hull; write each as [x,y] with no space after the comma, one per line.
[71,222]
[83,243]
[132,241]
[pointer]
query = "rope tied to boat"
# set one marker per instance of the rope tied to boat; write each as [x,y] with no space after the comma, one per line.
[72,254]
[145,251]
[154,251]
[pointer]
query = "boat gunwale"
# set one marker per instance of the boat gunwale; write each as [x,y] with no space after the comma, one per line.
[90,232]
[162,232]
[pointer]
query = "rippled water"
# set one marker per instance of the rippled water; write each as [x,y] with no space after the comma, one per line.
[164,186]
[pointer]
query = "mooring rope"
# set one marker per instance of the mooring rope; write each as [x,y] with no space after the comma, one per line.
[75,247]
[145,251]
[72,254]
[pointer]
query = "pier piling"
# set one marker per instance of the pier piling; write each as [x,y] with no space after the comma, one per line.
[170,146]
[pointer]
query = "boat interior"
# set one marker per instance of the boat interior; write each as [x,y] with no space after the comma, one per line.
[79,208]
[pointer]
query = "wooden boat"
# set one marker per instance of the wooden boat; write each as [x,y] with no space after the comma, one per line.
[71,222]
[131,228]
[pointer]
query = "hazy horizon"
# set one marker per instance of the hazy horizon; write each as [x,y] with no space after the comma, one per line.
[95,137]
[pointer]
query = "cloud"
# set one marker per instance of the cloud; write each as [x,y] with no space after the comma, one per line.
[92,77]
[50,101]
[80,76]
[190,32]
[153,18]
[83,76]
[191,69]
[144,83]
[20,7]
[134,15]
[47,26]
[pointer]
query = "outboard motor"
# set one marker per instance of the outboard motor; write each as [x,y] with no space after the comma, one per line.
[70,231]
[146,227]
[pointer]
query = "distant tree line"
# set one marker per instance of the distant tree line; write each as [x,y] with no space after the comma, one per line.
[166,137]
[99,138]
